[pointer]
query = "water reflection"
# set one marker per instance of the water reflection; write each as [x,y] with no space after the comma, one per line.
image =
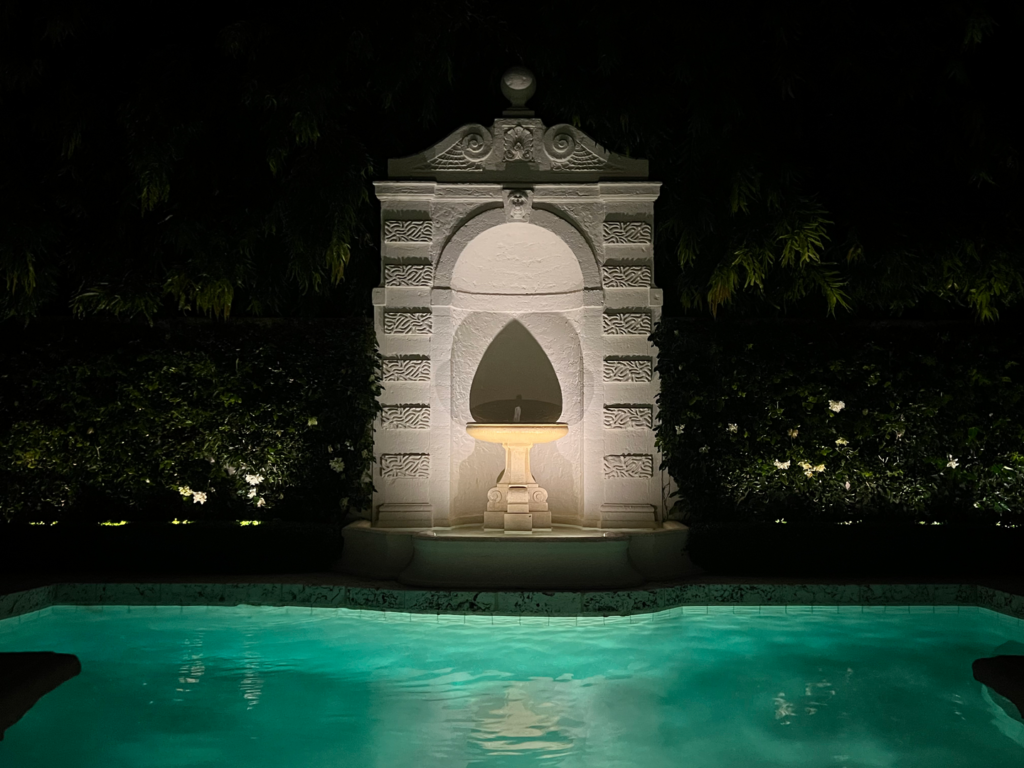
[191,670]
[251,684]
[522,721]
[465,717]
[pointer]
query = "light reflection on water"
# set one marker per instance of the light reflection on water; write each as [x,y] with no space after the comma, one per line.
[263,687]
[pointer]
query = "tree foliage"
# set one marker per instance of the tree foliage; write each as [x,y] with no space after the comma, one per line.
[246,419]
[812,158]
[791,421]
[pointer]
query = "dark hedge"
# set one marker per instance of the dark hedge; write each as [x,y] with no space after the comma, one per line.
[829,422]
[197,420]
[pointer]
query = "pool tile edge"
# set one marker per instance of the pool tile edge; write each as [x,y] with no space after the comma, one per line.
[512,603]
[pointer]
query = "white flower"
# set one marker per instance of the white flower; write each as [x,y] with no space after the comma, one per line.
[804,465]
[808,473]
[842,441]
[847,485]
[311,421]
[818,468]
[703,449]
[254,479]
[252,493]
[680,428]
[261,503]
[198,497]
[952,463]
[781,464]
[836,405]
[185,491]
[794,432]
[337,465]
[732,428]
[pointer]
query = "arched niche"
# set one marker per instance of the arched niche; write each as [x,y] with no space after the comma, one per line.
[515,379]
[517,258]
[475,465]
[571,240]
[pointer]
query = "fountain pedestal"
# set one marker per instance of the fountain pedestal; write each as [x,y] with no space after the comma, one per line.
[517,503]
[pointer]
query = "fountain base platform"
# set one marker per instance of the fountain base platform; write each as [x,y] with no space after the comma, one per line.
[471,557]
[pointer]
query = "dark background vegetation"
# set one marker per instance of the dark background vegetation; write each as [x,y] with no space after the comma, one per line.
[818,162]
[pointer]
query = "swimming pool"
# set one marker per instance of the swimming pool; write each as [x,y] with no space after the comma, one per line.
[248,686]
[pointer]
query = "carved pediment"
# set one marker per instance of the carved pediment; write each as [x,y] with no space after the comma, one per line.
[517,149]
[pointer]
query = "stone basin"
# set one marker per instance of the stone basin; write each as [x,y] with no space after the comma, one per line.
[518,434]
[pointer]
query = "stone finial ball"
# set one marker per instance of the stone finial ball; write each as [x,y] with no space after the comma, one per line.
[518,84]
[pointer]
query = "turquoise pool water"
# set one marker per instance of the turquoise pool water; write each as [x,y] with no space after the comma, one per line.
[253,687]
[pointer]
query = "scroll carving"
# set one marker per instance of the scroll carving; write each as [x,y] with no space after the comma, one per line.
[627,370]
[408,323]
[627,324]
[466,154]
[568,153]
[406,417]
[626,276]
[407,465]
[626,232]
[408,231]
[628,417]
[406,369]
[407,275]
[630,465]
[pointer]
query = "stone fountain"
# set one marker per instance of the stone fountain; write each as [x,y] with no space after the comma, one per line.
[517,503]
[516,444]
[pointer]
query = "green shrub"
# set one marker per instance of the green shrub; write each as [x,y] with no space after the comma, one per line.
[794,421]
[190,419]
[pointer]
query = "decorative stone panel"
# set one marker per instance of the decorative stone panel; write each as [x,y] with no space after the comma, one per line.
[408,275]
[406,417]
[406,369]
[627,232]
[629,465]
[628,417]
[408,231]
[627,324]
[518,143]
[627,370]
[626,276]
[410,323]
[405,465]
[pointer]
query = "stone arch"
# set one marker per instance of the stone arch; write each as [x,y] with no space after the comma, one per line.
[475,465]
[494,217]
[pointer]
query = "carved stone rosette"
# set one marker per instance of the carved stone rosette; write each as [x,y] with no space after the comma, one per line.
[518,143]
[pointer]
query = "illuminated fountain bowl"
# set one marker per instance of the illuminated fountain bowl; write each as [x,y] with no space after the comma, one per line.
[518,434]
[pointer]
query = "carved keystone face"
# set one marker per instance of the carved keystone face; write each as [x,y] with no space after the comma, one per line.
[517,201]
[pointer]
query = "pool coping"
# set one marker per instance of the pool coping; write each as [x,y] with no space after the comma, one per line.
[888,596]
